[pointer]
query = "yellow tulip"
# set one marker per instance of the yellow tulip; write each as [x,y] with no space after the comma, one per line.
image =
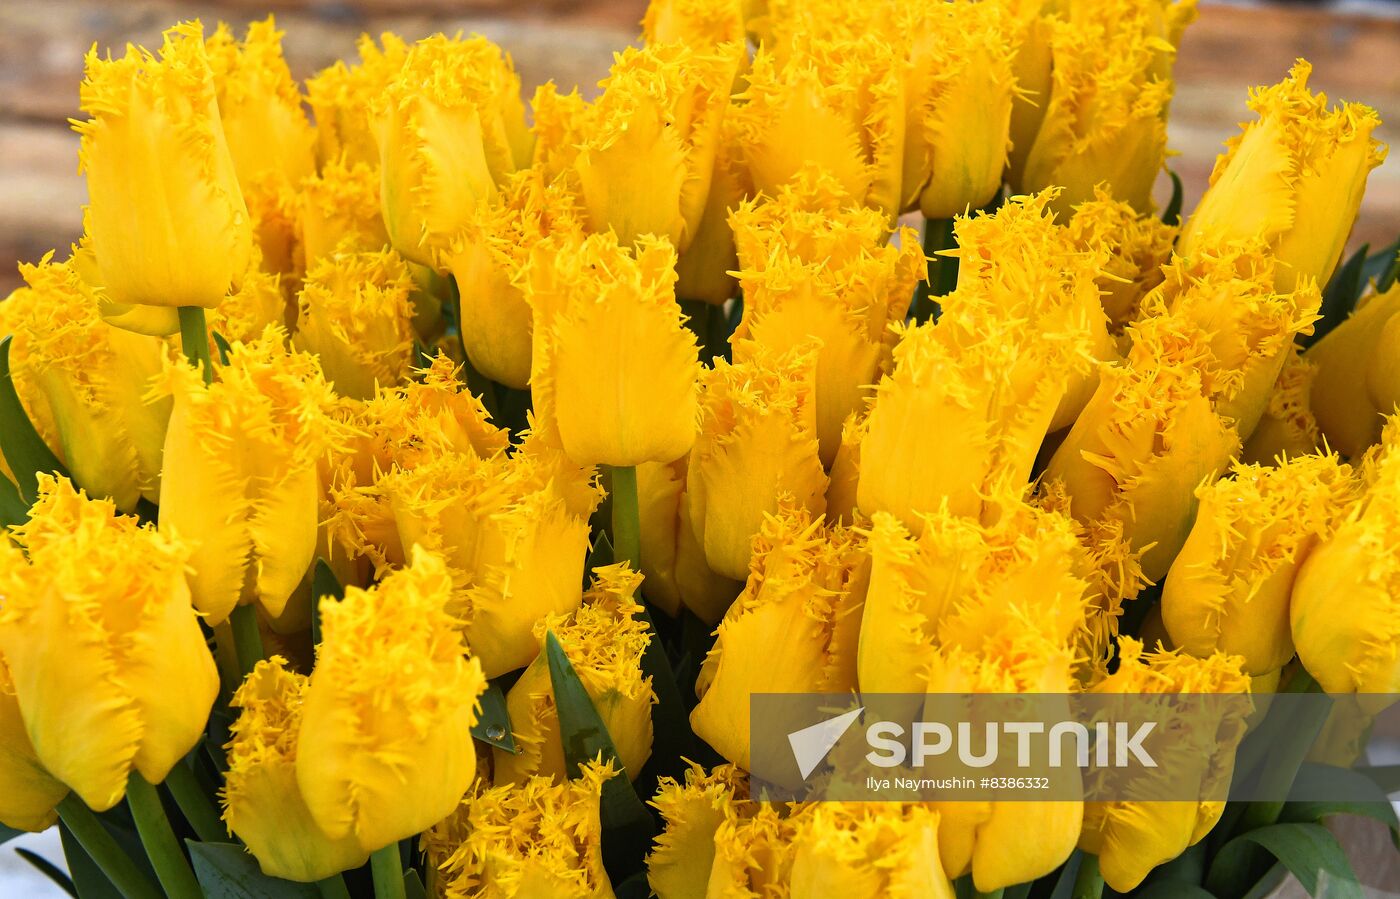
[342,98]
[93,378]
[646,147]
[108,663]
[166,217]
[1228,589]
[240,483]
[393,648]
[451,127]
[867,850]
[15,311]
[678,866]
[1133,836]
[753,855]
[604,640]
[1105,116]
[705,268]
[1288,426]
[698,23]
[614,367]
[792,630]
[355,316]
[263,806]
[677,575]
[1293,178]
[851,91]
[542,839]
[960,88]
[487,256]
[1146,440]
[1353,364]
[845,474]
[1032,67]
[514,532]
[247,312]
[757,449]
[28,792]
[814,266]
[1342,610]
[1138,246]
[339,209]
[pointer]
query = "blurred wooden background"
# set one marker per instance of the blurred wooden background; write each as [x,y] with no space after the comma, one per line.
[571,41]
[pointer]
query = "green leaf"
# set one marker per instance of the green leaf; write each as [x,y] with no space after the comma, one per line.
[493,724]
[1382,267]
[324,583]
[627,825]
[88,879]
[672,740]
[601,554]
[1020,891]
[23,448]
[12,508]
[1309,851]
[1386,777]
[1065,885]
[227,871]
[222,345]
[413,886]
[1348,792]
[8,833]
[49,870]
[1173,889]
[1172,214]
[1339,297]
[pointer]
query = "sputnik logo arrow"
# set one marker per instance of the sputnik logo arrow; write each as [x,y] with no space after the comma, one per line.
[811,744]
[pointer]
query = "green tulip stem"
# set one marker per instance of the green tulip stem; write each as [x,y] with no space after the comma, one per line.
[333,887]
[942,270]
[194,805]
[247,641]
[626,520]
[172,869]
[194,337]
[388,873]
[1088,884]
[992,894]
[129,880]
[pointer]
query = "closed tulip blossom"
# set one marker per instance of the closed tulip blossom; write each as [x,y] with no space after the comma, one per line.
[604,639]
[245,314]
[94,378]
[355,315]
[240,481]
[338,209]
[868,850]
[614,368]
[385,749]
[105,654]
[692,809]
[757,449]
[815,266]
[263,805]
[28,792]
[165,214]
[792,630]
[1293,178]
[677,575]
[1228,589]
[698,23]
[1138,246]
[342,98]
[1356,383]
[1289,425]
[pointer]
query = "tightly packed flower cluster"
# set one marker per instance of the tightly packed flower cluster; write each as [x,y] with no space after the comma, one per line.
[456,346]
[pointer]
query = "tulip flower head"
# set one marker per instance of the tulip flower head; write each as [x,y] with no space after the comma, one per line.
[342,98]
[105,654]
[339,209]
[698,23]
[1356,384]
[165,214]
[693,810]
[246,313]
[1288,426]
[868,850]
[385,749]
[28,792]
[1138,246]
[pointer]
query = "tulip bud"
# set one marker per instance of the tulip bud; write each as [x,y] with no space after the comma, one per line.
[1342,611]
[262,804]
[647,145]
[1345,391]
[1105,116]
[342,97]
[394,647]
[1288,426]
[355,315]
[166,217]
[1131,837]
[1293,178]
[240,481]
[867,850]
[705,268]
[604,640]
[93,378]
[959,93]
[792,630]
[514,533]
[16,311]
[247,312]
[848,89]
[816,267]
[451,128]
[757,449]
[28,792]
[339,209]
[1137,245]
[1228,589]
[108,663]
[698,23]
[542,839]
[486,258]
[677,575]
[614,366]
[679,864]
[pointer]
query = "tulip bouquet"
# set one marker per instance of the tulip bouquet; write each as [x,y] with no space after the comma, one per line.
[405,490]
